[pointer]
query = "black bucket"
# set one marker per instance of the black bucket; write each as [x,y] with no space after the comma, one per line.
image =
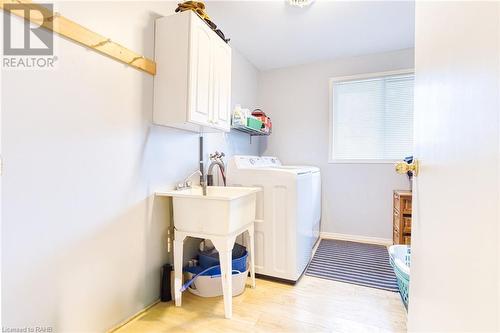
[165,292]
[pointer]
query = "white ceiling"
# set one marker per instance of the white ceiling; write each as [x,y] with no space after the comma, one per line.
[272,34]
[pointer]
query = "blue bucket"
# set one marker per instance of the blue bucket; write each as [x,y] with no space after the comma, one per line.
[211,258]
[239,264]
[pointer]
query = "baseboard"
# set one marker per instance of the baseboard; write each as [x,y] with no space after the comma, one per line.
[356,238]
[129,319]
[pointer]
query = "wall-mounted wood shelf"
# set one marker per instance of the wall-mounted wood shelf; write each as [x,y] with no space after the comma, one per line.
[77,33]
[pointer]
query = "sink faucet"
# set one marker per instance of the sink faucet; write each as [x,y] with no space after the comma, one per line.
[216,159]
[187,183]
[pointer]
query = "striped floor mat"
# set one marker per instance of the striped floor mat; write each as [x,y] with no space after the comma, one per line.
[357,263]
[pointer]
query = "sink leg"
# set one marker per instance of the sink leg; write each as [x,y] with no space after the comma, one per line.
[225,248]
[227,282]
[178,248]
[251,240]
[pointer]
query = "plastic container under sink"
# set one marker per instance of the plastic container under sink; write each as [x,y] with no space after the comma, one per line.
[211,285]
[239,259]
[205,280]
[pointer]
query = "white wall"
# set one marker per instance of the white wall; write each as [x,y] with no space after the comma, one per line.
[82,238]
[356,197]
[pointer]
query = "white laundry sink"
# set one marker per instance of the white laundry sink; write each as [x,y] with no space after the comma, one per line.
[222,211]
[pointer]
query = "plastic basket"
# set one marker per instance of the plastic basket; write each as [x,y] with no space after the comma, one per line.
[400,251]
[400,259]
[211,285]
[205,280]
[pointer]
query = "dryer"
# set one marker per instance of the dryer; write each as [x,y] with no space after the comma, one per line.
[288,212]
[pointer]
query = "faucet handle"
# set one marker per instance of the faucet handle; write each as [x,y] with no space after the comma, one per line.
[214,155]
[217,155]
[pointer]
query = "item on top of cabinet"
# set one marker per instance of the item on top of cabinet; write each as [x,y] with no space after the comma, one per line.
[199,8]
[196,6]
[266,121]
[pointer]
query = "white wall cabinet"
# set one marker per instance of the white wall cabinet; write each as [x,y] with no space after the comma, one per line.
[192,87]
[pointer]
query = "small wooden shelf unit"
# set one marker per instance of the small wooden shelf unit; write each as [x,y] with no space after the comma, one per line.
[401,220]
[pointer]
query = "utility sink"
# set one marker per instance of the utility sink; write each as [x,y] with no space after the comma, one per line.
[222,211]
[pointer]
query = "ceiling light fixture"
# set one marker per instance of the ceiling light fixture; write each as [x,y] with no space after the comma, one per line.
[300,3]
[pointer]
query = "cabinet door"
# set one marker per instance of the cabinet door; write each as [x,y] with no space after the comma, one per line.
[201,53]
[221,85]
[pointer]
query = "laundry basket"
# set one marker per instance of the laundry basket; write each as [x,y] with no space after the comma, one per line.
[207,282]
[211,285]
[400,259]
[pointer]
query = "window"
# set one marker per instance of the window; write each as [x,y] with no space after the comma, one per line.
[372,117]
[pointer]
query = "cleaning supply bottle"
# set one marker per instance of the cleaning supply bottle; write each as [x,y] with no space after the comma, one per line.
[238,118]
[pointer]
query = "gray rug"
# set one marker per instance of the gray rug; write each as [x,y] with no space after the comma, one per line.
[357,263]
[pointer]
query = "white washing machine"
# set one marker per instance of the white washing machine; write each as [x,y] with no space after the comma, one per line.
[288,212]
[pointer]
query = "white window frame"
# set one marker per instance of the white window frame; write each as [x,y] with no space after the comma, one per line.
[334,80]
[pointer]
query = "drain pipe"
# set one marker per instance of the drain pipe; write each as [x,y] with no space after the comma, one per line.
[202,168]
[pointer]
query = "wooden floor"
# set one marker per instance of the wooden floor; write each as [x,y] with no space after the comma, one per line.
[312,305]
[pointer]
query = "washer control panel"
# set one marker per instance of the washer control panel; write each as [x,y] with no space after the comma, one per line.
[245,162]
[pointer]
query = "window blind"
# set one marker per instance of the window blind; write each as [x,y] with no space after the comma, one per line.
[373,118]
